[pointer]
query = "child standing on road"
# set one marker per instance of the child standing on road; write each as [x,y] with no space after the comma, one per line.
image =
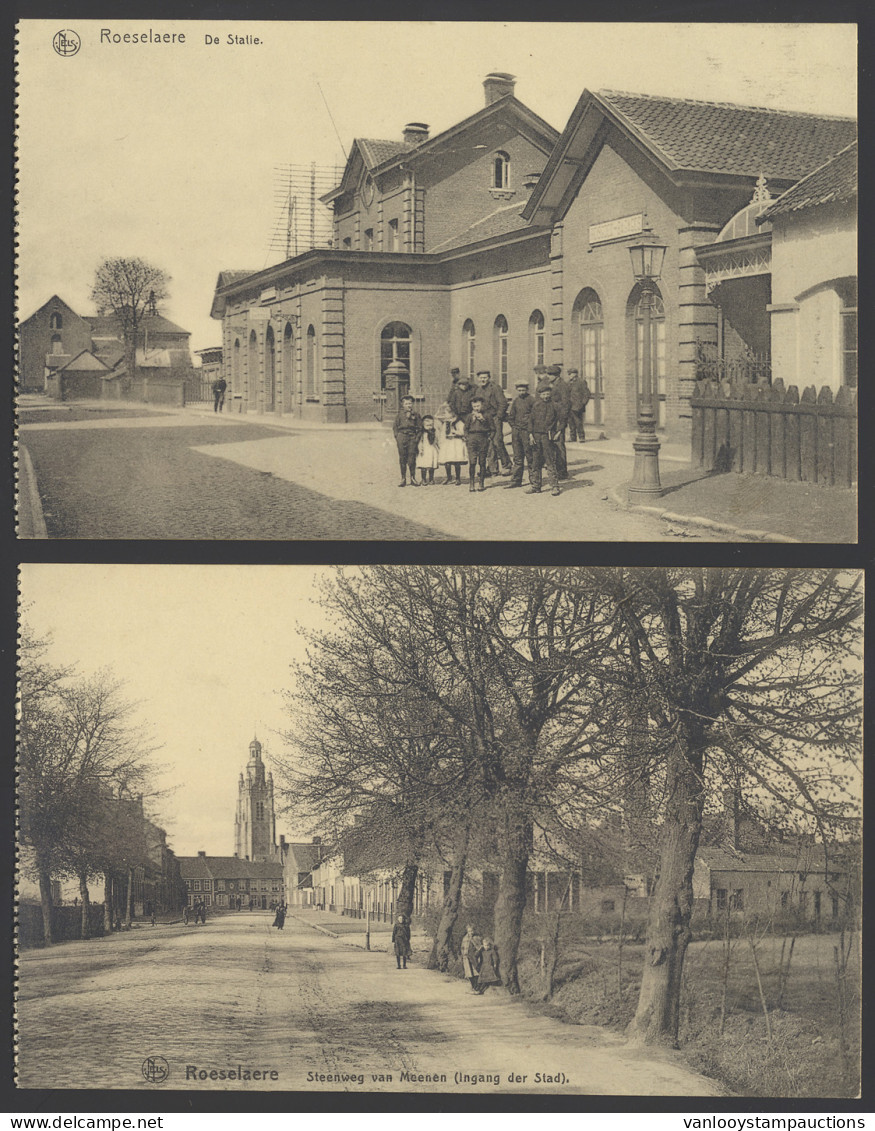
[429,455]
[407,429]
[452,444]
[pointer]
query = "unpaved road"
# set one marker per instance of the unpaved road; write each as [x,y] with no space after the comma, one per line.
[320,1014]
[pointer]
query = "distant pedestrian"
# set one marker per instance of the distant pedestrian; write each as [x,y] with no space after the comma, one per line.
[401,941]
[488,974]
[280,917]
[478,434]
[407,430]
[452,444]
[185,914]
[471,945]
[219,386]
[581,395]
[428,455]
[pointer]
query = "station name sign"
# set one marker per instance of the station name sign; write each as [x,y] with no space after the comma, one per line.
[617,229]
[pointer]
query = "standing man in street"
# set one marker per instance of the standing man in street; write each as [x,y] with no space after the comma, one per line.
[562,403]
[544,423]
[454,380]
[219,386]
[580,397]
[496,405]
[519,417]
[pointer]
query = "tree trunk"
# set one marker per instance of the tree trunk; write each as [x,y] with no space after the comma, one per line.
[671,905]
[107,903]
[86,905]
[404,903]
[515,844]
[129,914]
[439,959]
[45,895]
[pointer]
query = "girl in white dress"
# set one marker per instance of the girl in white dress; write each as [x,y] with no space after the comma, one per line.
[429,455]
[454,452]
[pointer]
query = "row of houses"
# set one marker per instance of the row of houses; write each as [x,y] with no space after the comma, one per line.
[147,878]
[503,243]
[71,356]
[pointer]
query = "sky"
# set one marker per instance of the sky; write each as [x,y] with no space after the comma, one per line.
[168,152]
[204,650]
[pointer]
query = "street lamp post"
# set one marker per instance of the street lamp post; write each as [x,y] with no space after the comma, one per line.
[647,258]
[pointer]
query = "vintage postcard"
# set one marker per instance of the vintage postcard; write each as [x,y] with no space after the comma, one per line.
[431,829]
[261,286]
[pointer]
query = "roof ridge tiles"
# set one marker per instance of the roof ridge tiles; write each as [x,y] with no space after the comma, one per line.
[609,92]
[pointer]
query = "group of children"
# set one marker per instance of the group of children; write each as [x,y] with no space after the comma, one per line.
[469,428]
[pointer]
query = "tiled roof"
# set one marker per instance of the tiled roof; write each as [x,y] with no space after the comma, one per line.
[834,180]
[228,868]
[720,137]
[805,859]
[505,219]
[105,325]
[226,278]
[375,151]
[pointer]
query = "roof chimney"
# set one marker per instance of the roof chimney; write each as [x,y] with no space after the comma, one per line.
[201,853]
[317,839]
[498,85]
[415,133]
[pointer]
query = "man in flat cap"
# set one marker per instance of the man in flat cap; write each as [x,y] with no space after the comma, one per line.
[562,403]
[543,425]
[519,417]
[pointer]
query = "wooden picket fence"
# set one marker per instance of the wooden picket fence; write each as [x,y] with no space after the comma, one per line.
[769,430]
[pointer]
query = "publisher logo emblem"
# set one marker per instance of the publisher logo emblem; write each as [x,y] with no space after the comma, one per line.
[155,1069]
[66,42]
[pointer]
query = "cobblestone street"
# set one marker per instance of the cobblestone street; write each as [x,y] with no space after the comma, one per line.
[321,1014]
[194,475]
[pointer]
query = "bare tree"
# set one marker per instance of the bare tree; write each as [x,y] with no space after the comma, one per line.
[749,677]
[76,744]
[127,288]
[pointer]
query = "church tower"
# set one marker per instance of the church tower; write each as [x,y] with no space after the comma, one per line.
[255,823]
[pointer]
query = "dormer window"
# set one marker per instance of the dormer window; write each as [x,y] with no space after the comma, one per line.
[500,171]
[55,321]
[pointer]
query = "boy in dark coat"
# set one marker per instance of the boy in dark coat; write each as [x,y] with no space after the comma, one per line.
[407,429]
[544,423]
[459,397]
[519,417]
[478,433]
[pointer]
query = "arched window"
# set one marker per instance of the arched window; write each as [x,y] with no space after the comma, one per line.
[591,328]
[657,347]
[312,394]
[288,365]
[235,365]
[252,371]
[269,370]
[847,292]
[469,344]
[394,346]
[500,170]
[499,363]
[537,337]
[55,321]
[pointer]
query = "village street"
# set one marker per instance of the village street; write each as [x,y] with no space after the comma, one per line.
[305,1011]
[140,473]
